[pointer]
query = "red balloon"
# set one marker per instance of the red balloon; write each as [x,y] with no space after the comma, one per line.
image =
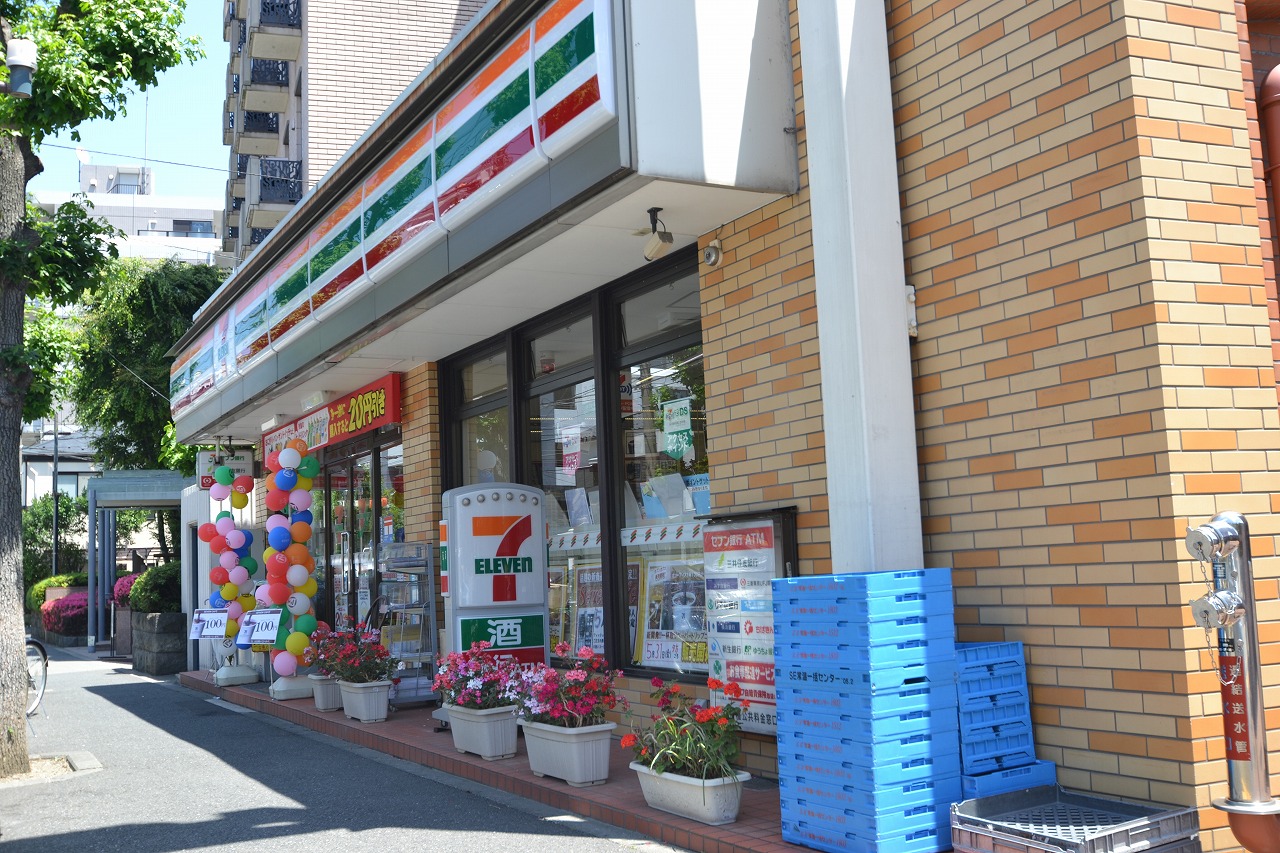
[218,544]
[207,531]
[278,593]
[275,574]
[218,576]
[242,484]
[273,460]
[277,500]
[279,558]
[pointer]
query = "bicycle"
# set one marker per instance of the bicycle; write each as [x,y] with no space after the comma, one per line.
[37,674]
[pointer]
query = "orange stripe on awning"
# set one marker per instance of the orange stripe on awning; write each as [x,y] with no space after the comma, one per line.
[557,13]
[331,221]
[410,148]
[492,525]
[514,53]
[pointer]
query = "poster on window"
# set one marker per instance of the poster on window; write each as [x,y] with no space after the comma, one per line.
[741,560]
[589,619]
[674,634]
[558,605]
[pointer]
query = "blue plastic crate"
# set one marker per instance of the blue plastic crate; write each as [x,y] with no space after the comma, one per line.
[888,702]
[1003,761]
[894,749]
[976,690]
[863,679]
[969,654]
[999,743]
[1007,708]
[941,790]
[892,822]
[868,729]
[863,584]
[930,603]
[820,837]
[858,655]
[1009,779]
[883,774]
[829,632]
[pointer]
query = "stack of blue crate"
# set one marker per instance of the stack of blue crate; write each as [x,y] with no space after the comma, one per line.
[997,746]
[868,739]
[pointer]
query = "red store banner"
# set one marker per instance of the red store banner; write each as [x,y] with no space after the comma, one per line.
[363,410]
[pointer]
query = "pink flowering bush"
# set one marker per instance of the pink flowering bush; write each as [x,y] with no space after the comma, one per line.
[477,679]
[124,585]
[577,697]
[68,615]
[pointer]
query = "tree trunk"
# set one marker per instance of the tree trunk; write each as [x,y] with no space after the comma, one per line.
[17,166]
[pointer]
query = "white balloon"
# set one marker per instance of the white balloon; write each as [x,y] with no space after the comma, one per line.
[247,587]
[297,575]
[298,603]
[289,458]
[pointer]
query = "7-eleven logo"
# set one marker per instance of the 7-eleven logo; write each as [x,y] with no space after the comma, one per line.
[513,531]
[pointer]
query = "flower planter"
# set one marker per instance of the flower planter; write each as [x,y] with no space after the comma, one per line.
[489,733]
[578,756]
[159,642]
[710,801]
[325,690]
[367,701]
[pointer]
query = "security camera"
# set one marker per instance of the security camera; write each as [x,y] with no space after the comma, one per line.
[659,244]
[22,64]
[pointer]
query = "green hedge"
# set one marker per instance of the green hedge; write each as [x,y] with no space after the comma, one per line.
[35,595]
[159,590]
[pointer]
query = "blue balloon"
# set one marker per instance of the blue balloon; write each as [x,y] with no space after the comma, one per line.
[243,550]
[216,599]
[286,478]
[279,538]
[248,538]
[302,515]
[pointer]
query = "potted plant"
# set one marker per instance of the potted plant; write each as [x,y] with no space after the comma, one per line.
[363,667]
[480,692]
[563,716]
[684,759]
[325,690]
[159,626]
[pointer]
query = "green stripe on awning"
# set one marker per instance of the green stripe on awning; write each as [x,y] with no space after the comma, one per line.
[336,249]
[414,183]
[291,287]
[506,105]
[573,48]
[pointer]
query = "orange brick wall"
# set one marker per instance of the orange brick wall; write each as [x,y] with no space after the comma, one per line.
[1094,368]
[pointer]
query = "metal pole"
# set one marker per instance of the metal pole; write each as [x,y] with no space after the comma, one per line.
[93,566]
[57,495]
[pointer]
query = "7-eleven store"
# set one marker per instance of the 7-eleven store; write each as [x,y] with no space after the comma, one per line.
[1091,368]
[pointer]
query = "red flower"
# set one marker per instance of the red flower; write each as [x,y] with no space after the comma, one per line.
[629,740]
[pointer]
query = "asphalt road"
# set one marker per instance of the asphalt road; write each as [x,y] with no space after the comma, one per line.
[183,771]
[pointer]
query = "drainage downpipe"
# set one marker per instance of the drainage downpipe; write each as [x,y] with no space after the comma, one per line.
[1254,815]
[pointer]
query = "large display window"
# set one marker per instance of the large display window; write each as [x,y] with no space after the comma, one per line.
[623,461]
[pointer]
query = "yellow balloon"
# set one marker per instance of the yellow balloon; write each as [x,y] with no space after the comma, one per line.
[267,552]
[239,501]
[308,589]
[296,643]
[229,591]
[304,483]
[248,602]
[233,628]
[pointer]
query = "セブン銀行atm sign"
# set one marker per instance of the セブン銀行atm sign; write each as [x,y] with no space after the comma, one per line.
[376,404]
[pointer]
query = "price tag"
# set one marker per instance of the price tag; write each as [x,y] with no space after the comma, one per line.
[209,624]
[262,625]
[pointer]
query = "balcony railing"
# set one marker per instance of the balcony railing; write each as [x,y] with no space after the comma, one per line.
[281,13]
[281,181]
[261,122]
[244,37]
[269,72]
[235,84]
[257,235]
[237,202]
[242,166]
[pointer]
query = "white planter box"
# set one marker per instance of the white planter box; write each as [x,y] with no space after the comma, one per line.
[489,733]
[325,690]
[367,702]
[578,756]
[710,801]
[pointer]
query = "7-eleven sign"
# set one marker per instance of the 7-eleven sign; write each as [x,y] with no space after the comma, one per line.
[497,547]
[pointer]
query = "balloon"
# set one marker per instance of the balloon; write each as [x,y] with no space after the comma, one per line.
[286,479]
[298,604]
[289,458]
[238,575]
[229,591]
[279,538]
[233,628]
[308,467]
[225,525]
[296,642]
[234,611]
[207,531]
[250,564]
[248,537]
[297,575]
[305,624]
[239,501]
[309,588]
[262,595]
[219,492]
[226,513]
[235,539]
[276,520]
[216,600]
[285,665]
[273,461]
[304,483]
[276,574]
[308,561]
[277,592]
[277,500]
[222,475]
[270,481]
[280,560]
[300,499]
[242,484]
[303,515]
[228,559]
[246,588]
[218,544]
[297,552]
[247,602]
[300,531]
[298,444]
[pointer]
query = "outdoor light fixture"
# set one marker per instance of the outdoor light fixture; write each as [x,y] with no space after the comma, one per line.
[659,242]
[22,64]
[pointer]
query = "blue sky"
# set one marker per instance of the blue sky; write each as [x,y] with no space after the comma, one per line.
[177,121]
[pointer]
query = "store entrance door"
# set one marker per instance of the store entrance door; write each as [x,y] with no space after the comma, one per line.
[352,561]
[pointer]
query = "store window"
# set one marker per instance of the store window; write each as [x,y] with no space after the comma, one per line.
[623,462]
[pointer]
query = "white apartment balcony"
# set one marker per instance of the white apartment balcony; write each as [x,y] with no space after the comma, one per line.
[231,240]
[275,28]
[258,134]
[232,103]
[264,84]
[274,187]
[238,171]
[232,23]
[229,128]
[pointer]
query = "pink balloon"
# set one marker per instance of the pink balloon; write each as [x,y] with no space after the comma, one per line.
[275,521]
[228,559]
[300,499]
[219,492]
[285,665]
[262,595]
[235,610]
[225,525]
[235,538]
[238,575]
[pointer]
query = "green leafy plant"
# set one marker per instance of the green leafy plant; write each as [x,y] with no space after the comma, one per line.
[158,590]
[35,595]
[688,737]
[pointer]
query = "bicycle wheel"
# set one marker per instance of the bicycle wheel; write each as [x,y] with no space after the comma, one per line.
[37,674]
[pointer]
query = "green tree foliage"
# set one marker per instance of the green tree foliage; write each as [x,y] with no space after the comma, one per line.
[159,590]
[93,54]
[37,537]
